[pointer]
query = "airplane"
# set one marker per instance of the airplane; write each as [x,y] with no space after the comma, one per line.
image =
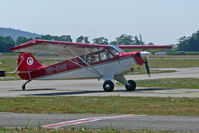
[83,61]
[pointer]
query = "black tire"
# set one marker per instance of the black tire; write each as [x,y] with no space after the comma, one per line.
[132,85]
[108,86]
[23,87]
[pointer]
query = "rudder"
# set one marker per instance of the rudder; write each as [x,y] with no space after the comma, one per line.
[27,62]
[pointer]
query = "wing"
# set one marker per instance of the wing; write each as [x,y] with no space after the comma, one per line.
[152,48]
[67,49]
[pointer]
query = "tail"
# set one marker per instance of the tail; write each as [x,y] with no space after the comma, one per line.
[27,62]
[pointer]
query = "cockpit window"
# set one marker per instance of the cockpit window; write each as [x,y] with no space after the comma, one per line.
[96,56]
[105,54]
[115,50]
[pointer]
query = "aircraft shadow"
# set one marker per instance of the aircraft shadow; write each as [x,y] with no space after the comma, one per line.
[153,89]
[43,89]
[78,92]
[65,93]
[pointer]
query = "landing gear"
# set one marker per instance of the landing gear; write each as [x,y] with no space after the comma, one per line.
[24,85]
[131,86]
[108,86]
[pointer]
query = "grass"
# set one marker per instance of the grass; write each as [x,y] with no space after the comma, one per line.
[192,52]
[173,62]
[190,83]
[102,105]
[9,65]
[81,130]
[186,52]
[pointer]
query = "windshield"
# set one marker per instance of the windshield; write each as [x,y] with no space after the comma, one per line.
[115,50]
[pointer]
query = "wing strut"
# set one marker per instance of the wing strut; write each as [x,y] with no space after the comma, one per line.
[93,70]
[81,65]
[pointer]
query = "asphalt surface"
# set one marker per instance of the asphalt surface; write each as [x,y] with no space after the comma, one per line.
[131,122]
[94,88]
[85,88]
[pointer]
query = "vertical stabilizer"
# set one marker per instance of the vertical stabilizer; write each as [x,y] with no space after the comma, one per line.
[27,62]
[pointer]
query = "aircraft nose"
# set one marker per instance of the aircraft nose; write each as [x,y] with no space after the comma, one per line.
[145,54]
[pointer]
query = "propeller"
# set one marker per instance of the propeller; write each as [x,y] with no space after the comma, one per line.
[147,67]
[144,55]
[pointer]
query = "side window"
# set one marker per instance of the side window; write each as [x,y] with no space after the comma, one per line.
[105,54]
[88,58]
[95,57]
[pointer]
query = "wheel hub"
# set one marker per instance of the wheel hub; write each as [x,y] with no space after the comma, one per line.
[108,86]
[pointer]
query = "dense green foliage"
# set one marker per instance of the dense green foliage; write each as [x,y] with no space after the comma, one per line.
[128,40]
[185,43]
[82,39]
[66,38]
[6,43]
[189,43]
[22,39]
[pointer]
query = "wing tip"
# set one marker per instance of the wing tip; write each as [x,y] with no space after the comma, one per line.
[25,44]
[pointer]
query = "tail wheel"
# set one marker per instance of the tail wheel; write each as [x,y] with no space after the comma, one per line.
[131,86]
[24,85]
[108,86]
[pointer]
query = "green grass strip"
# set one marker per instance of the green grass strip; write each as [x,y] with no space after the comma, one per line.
[190,83]
[102,105]
[83,129]
[173,62]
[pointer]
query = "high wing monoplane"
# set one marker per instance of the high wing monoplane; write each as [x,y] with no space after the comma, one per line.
[83,61]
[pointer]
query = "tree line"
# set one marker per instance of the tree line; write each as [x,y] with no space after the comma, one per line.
[190,43]
[8,42]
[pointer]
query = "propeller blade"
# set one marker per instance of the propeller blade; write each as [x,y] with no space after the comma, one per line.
[147,67]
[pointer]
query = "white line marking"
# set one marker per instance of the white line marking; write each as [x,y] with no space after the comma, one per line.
[85,120]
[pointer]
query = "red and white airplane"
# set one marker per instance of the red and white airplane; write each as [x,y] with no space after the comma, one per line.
[83,61]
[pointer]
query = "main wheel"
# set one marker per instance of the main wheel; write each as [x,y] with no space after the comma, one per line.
[132,85]
[108,86]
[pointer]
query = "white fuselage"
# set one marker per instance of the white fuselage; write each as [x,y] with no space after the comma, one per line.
[98,71]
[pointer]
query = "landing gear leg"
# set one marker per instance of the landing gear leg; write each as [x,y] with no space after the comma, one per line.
[24,85]
[130,85]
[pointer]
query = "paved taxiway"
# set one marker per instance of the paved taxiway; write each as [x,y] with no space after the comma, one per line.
[94,87]
[85,88]
[96,121]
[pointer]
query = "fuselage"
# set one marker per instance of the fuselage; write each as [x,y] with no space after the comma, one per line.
[93,65]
